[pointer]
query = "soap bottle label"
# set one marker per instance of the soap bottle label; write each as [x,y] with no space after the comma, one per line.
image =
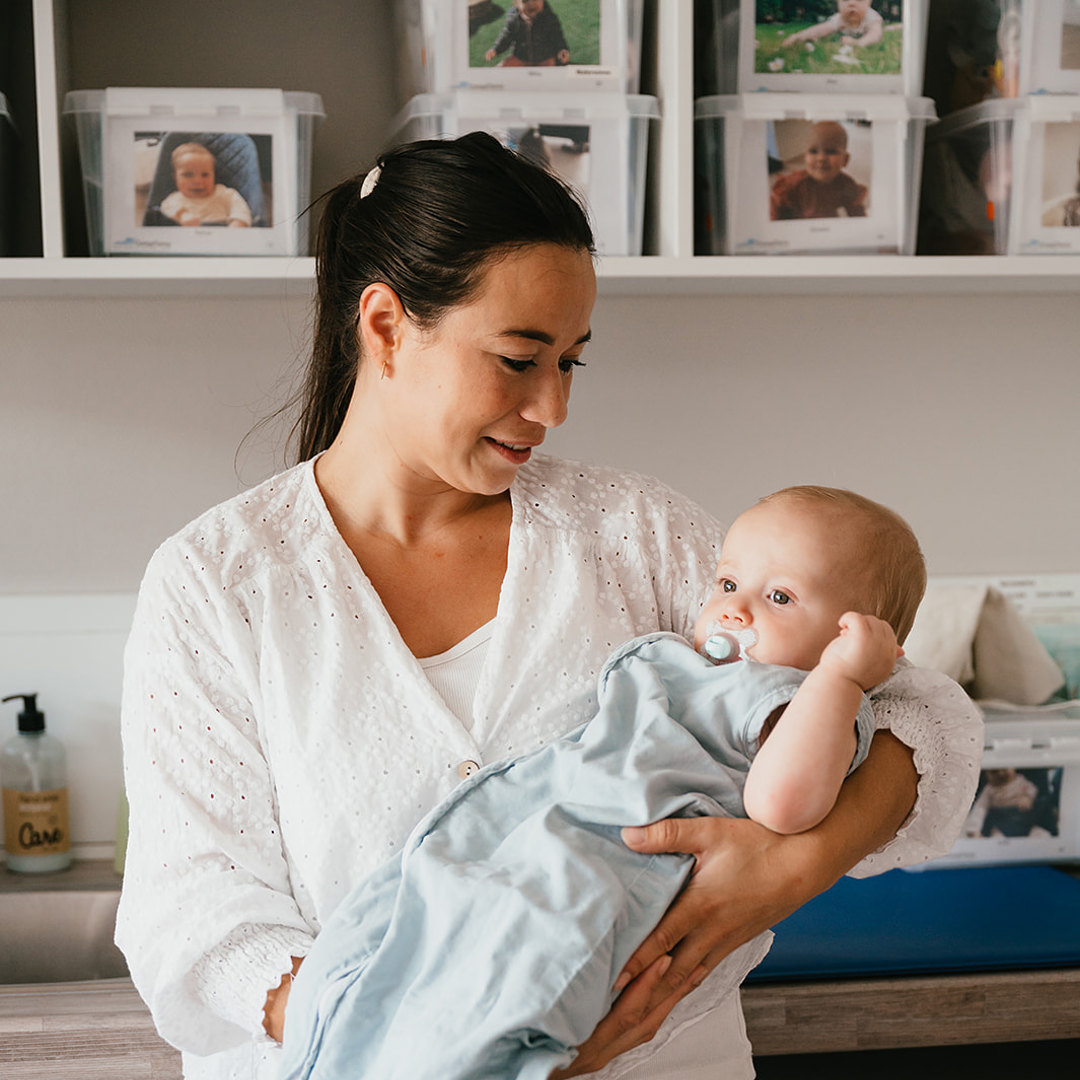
[36,822]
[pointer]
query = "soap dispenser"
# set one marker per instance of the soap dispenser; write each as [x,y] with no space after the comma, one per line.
[35,799]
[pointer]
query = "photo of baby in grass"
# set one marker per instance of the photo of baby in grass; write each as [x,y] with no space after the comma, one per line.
[822,37]
[534,33]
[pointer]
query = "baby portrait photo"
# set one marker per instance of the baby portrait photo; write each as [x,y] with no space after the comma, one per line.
[1016,803]
[205,179]
[1061,176]
[819,169]
[562,149]
[1070,36]
[533,33]
[818,37]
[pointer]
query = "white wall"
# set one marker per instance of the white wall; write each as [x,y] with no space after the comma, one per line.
[121,419]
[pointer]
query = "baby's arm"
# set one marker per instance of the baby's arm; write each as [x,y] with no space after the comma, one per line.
[811,33]
[797,773]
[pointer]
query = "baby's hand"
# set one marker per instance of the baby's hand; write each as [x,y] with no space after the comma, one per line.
[865,650]
[563,56]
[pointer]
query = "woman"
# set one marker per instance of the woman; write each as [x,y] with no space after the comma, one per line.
[316,663]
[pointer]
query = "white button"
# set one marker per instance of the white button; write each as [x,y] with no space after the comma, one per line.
[467,768]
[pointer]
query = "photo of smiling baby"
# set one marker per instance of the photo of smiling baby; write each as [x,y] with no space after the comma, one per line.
[811,162]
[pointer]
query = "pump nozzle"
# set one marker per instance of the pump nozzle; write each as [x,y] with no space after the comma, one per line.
[31,718]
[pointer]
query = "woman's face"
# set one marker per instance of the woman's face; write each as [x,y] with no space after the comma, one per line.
[472,397]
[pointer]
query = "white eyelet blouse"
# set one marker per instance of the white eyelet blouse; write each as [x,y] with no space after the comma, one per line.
[280,740]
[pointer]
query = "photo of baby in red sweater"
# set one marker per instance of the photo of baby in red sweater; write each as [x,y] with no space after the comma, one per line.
[813,171]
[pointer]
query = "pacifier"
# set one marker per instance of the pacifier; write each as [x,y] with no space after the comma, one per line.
[723,644]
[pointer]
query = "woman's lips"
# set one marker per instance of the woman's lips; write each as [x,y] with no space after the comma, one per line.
[518,453]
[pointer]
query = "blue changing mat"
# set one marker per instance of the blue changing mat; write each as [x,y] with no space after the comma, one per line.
[935,921]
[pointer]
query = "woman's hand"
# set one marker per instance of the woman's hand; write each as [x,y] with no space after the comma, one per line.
[276,999]
[747,878]
[634,1019]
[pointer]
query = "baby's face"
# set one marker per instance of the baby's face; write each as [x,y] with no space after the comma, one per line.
[530,8]
[852,12]
[195,175]
[827,155]
[782,572]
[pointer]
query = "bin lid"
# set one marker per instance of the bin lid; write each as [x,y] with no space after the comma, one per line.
[991,111]
[529,105]
[139,100]
[780,105]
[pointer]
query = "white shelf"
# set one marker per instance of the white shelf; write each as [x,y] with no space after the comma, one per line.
[671,196]
[841,274]
[647,275]
[154,277]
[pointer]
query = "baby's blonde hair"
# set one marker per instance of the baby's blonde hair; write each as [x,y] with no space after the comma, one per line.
[830,125]
[893,570]
[190,148]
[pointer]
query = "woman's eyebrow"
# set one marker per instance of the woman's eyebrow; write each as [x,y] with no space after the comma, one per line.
[543,336]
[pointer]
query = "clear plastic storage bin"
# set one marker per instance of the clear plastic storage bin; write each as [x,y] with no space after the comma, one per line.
[7,170]
[1046,149]
[598,144]
[808,173]
[570,45]
[978,50]
[1050,47]
[762,47]
[973,52]
[967,188]
[170,171]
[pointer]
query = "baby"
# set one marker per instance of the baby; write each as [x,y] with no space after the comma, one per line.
[855,21]
[198,198]
[536,35]
[821,189]
[493,944]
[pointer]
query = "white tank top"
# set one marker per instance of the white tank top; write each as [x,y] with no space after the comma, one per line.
[455,673]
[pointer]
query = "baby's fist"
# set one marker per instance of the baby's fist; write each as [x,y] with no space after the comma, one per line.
[864,651]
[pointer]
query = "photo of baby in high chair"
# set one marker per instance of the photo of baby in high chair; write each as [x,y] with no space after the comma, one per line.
[809,166]
[203,179]
[198,198]
[816,37]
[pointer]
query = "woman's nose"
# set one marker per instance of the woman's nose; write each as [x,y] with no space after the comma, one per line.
[549,403]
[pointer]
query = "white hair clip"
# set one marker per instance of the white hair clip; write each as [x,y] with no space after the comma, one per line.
[370,181]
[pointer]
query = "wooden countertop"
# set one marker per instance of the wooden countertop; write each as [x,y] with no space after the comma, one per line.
[934,1010]
[103,1026]
[107,1029]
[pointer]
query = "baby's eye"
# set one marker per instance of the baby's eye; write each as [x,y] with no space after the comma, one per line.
[728,585]
[778,596]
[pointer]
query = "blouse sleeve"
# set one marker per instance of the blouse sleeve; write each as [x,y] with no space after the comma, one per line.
[932,715]
[687,548]
[207,921]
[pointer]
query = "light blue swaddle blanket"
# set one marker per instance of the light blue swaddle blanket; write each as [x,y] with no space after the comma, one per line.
[490,946]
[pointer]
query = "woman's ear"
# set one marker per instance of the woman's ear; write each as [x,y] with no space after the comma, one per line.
[380,323]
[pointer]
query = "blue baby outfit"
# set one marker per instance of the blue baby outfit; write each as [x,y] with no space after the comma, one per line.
[490,945]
